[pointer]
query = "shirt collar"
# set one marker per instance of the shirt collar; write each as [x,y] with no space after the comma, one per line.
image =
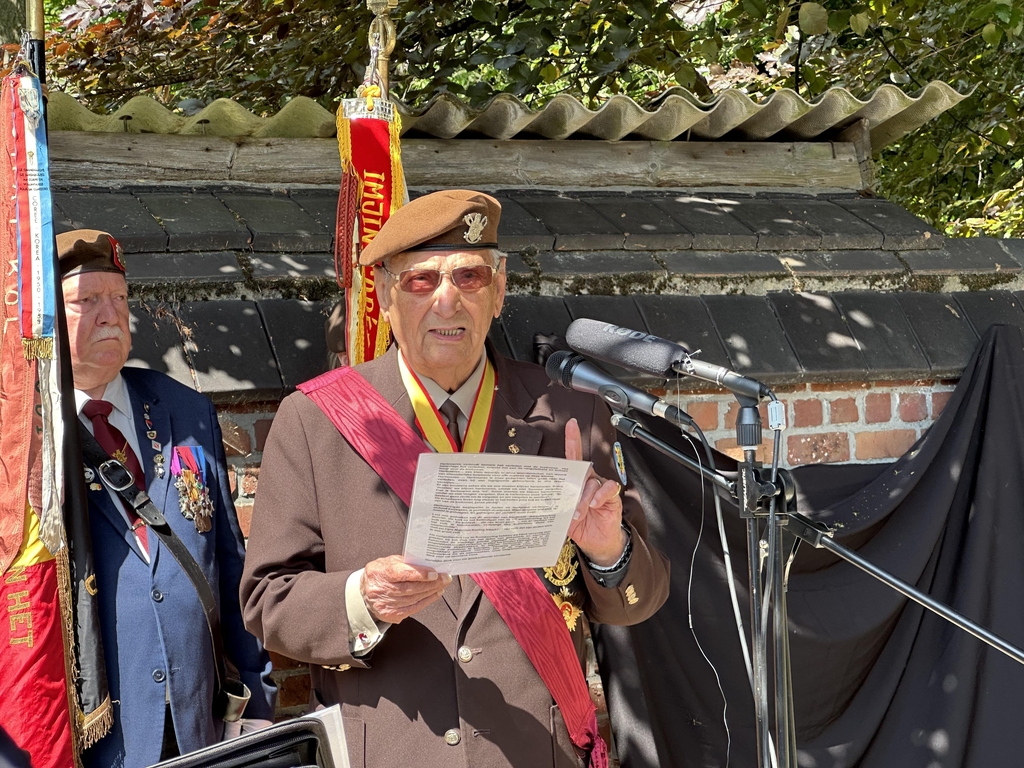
[464,396]
[115,393]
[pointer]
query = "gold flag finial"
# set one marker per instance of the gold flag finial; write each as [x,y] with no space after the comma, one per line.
[382,39]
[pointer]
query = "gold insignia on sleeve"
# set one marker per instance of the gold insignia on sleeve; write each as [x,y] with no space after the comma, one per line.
[512,432]
[631,597]
[513,448]
[564,571]
[570,612]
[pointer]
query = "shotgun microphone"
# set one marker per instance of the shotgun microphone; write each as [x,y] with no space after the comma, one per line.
[573,372]
[653,355]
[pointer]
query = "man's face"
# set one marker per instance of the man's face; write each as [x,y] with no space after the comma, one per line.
[98,329]
[441,332]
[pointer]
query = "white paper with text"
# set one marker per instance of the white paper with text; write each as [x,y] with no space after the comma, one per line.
[479,512]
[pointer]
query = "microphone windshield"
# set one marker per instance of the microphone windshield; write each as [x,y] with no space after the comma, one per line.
[623,346]
[559,367]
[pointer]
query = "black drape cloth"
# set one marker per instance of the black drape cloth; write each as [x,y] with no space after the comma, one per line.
[878,680]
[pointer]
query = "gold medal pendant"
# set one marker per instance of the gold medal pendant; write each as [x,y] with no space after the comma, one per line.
[570,611]
[564,571]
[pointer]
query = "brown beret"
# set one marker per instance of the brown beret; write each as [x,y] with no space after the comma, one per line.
[88,250]
[450,220]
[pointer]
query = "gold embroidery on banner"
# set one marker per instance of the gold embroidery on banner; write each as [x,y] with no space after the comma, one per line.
[564,571]
[570,612]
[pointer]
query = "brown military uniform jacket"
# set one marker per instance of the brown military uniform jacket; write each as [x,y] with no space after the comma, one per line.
[448,687]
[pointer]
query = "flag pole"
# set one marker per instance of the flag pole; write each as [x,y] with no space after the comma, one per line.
[88,697]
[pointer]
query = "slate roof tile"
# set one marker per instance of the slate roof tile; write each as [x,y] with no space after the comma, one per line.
[941,327]
[278,223]
[195,220]
[777,229]
[183,268]
[721,264]
[839,229]
[753,337]
[575,224]
[974,255]
[322,205]
[573,264]
[295,330]
[229,350]
[524,316]
[901,230]
[646,226]
[818,334]
[883,332]
[684,320]
[713,227]
[985,308]
[292,265]
[116,212]
[519,229]
[1014,247]
[156,342]
[858,262]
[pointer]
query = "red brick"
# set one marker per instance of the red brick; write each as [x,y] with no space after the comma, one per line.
[734,409]
[877,408]
[244,512]
[818,448]
[232,481]
[727,445]
[888,444]
[913,406]
[249,480]
[705,413]
[939,400]
[839,386]
[237,441]
[843,410]
[807,413]
[283,662]
[262,429]
[293,691]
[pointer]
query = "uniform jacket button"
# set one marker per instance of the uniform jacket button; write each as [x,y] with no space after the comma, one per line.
[452,737]
[465,654]
[158,675]
[158,596]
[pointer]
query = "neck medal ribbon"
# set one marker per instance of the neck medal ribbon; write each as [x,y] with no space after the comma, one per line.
[372,188]
[432,425]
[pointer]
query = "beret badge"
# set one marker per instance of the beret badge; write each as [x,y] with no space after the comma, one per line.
[476,222]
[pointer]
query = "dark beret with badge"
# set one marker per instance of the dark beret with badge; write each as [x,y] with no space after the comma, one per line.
[88,250]
[449,220]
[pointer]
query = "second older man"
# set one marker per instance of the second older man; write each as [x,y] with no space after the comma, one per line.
[427,670]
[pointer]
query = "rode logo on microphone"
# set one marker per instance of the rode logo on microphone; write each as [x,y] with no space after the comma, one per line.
[629,333]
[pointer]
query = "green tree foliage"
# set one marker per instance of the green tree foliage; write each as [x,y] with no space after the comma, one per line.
[963,171]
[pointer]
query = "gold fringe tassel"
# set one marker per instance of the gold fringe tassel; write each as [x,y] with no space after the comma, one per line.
[37,349]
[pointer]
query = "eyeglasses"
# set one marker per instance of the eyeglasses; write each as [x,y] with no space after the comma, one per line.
[466,279]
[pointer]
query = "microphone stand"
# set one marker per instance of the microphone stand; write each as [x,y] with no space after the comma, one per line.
[769,558]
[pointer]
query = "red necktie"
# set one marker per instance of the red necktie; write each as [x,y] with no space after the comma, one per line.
[115,444]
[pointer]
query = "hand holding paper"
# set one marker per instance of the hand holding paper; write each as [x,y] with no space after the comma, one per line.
[394,590]
[596,526]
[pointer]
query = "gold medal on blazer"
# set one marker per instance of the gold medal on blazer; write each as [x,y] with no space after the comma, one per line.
[188,467]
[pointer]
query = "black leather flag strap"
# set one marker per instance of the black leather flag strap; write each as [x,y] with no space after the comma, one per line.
[231,694]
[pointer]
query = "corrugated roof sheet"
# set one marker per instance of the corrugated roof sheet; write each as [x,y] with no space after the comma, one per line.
[678,114]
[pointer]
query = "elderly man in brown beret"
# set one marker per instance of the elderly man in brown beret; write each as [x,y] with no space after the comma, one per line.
[156,641]
[431,670]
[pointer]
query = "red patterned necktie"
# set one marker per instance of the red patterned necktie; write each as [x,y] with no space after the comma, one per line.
[115,444]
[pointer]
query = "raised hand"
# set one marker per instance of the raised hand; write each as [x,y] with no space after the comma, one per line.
[596,526]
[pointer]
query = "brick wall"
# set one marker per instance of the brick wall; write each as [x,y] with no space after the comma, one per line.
[826,423]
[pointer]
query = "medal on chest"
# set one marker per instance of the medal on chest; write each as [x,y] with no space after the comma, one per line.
[188,468]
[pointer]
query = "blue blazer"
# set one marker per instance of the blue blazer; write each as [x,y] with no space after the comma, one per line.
[154,632]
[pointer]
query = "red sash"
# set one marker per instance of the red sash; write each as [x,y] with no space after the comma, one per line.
[391,447]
